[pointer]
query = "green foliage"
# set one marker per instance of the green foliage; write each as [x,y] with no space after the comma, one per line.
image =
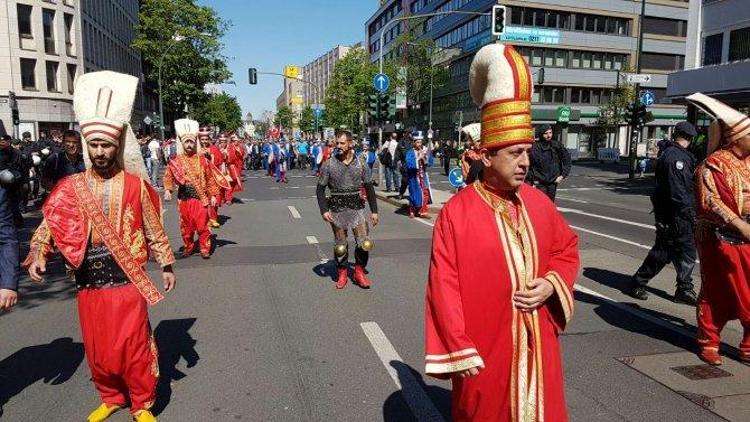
[186,65]
[221,110]
[307,120]
[416,56]
[612,114]
[284,118]
[351,83]
[261,127]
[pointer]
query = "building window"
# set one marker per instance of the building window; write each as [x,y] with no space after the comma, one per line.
[48,24]
[739,44]
[28,78]
[24,20]
[661,26]
[69,50]
[712,46]
[662,61]
[71,77]
[52,76]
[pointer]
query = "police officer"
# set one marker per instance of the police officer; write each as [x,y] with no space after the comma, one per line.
[550,162]
[674,211]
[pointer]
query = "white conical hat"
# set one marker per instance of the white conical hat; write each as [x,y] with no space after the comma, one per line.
[187,129]
[734,125]
[473,130]
[103,103]
[500,83]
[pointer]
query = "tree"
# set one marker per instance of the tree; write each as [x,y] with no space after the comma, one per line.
[284,117]
[186,64]
[612,113]
[307,120]
[416,56]
[221,111]
[351,83]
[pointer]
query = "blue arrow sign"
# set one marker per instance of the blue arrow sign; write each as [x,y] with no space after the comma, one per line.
[456,177]
[381,82]
[318,112]
[648,98]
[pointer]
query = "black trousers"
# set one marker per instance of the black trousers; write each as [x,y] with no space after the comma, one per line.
[675,243]
[549,189]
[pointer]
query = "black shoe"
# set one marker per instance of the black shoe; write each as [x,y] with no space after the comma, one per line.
[637,292]
[686,296]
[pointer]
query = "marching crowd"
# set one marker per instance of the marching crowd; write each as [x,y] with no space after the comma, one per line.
[500,247]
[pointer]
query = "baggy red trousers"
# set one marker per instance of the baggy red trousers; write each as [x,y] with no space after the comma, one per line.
[213,212]
[194,218]
[120,348]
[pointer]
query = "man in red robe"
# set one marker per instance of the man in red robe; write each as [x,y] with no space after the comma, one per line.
[215,159]
[502,268]
[106,222]
[723,232]
[190,174]
[235,160]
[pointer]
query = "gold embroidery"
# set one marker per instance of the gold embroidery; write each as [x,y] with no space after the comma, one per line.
[134,239]
[155,356]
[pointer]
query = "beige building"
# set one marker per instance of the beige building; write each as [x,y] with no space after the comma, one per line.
[292,96]
[40,56]
[319,72]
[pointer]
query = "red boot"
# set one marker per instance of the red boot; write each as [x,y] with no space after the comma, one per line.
[343,278]
[360,278]
[710,355]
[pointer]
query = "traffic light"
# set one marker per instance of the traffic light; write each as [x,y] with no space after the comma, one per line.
[637,115]
[498,20]
[16,117]
[384,104]
[391,115]
[13,103]
[540,76]
[253,75]
[373,107]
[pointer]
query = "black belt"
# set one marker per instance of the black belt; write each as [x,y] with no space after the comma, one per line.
[109,285]
[99,268]
[185,192]
[349,201]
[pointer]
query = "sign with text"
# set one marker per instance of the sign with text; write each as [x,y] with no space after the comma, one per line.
[533,35]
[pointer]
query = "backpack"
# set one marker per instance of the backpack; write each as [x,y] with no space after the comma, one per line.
[385,158]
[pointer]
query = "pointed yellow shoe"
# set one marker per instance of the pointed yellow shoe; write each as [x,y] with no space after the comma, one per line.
[213,223]
[144,416]
[102,412]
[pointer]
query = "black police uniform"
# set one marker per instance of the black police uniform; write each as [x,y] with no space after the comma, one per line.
[549,160]
[675,213]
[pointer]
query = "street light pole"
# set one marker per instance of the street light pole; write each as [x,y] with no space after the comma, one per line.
[635,136]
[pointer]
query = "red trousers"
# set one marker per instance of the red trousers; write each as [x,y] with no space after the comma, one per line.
[228,195]
[194,218]
[213,212]
[120,348]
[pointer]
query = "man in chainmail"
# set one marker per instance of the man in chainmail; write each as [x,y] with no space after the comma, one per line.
[350,184]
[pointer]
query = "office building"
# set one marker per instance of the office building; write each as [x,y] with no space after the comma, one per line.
[40,56]
[584,48]
[319,73]
[718,50]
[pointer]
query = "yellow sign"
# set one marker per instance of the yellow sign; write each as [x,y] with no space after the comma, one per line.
[297,100]
[291,71]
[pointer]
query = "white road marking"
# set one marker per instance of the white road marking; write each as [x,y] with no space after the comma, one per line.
[604,217]
[425,222]
[293,187]
[416,398]
[294,212]
[312,240]
[567,198]
[619,239]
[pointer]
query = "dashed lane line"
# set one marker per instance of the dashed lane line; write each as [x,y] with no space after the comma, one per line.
[604,217]
[293,211]
[416,398]
[567,198]
[312,240]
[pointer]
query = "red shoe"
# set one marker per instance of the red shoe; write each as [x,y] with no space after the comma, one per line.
[710,355]
[343,278]
[360,278]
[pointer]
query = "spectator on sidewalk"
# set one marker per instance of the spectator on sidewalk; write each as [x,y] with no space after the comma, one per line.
[66,162]
[675,213]
[389,161]
[155,157]
[550,162]
[9,247]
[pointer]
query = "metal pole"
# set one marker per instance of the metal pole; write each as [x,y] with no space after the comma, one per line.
[432,73]
[161,109]
[635,136]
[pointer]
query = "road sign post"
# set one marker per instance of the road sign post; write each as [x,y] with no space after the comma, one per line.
[638,78]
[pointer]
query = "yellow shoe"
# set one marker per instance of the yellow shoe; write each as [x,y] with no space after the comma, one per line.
[213,223]
[144,416]
[102,412]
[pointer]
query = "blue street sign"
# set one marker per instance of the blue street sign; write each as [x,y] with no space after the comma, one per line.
[456,177]
[531,35]
[318,112]
[381,82]
[648,98]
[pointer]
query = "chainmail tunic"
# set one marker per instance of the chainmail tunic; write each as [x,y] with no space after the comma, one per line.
[346,203]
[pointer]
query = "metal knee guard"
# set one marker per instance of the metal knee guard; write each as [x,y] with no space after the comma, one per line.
[341,253]
[362,253]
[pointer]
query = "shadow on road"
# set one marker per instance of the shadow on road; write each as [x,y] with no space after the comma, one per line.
[326,270]
[53,363]
[223,219]
[622,319]
[175,343]
[618,281]
[396,409]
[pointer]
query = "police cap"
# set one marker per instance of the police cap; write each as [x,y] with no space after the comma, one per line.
[685,128]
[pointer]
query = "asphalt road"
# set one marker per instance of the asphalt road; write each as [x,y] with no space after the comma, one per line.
[259,333]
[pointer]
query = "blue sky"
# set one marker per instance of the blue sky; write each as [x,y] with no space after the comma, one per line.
[269,34]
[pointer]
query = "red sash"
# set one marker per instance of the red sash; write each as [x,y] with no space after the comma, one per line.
[99,222]
[178,172]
